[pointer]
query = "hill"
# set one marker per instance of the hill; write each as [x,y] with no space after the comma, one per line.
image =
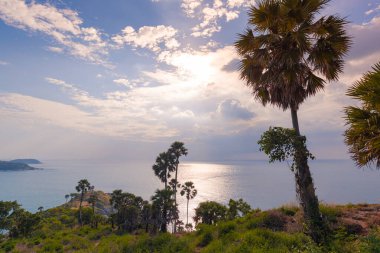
[26,161]
[13,166]
[352,228]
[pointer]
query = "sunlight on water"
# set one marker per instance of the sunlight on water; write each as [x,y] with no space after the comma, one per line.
[261,184]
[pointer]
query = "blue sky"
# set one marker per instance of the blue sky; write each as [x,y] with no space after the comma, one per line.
[123,79]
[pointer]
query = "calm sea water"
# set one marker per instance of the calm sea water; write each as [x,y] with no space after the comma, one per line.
[261,184]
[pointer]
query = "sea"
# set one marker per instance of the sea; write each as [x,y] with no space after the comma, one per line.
[261,184]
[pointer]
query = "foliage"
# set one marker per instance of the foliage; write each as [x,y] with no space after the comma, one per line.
[82,187]
[210,212]
[16,220]
[254,232]
[363,133]
[288,50]
[237,208]
[283,143]
[164,209]
[129,210]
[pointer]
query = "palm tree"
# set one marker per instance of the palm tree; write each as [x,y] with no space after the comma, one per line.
[163,167]
[287,56]
[163,207]
[188,188]
[363,133]
[82,187]
[176,150]
[93,199]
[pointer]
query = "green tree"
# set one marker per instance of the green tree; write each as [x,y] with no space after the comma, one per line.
[363,133]
[285,56]
[237,208]
[7,208]
[210,212]
[163,208]
[16,220]
[129,210]
[83,187]
[188,189]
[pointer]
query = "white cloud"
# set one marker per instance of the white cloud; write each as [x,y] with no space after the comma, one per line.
[189,6]
[369,12]
[210,15]
[122,81]
[3,63]
[63,25]
[154,38]
[55,49]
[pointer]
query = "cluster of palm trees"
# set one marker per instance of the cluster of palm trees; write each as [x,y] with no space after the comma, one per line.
[130,212]
[167,164]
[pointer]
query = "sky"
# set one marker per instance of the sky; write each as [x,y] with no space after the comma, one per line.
[123,79]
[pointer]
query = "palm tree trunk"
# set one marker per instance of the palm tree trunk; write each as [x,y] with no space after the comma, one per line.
[187,212]
[305,189]
[80,209]
[175,194]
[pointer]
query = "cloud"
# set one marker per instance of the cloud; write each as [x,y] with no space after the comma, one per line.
[232,109]
[3,63]
[55,49]
[189,6]
[122,81]
[154,38]
[210,15]
[369,12]
[63,25]
[364,36]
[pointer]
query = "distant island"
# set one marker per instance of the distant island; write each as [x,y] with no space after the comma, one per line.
[26,161]
[17,166]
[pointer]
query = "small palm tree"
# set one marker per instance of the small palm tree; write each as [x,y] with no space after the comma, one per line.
[363,133]
[287,56]
[82,187]
[188,189]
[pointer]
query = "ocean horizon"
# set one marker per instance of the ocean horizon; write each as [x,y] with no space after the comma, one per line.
[261,184]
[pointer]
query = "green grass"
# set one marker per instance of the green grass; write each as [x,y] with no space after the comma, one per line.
[256,232]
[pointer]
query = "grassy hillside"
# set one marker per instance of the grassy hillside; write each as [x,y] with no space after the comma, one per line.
[353,228]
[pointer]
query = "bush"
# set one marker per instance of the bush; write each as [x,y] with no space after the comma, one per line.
[330,213]
[205,239]
[273,220]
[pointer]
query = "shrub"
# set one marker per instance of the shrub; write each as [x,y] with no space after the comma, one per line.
[273,220]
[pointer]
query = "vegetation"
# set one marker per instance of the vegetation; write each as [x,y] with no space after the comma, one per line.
[188,189]
[82,187]
[278,230]
[363,133]
[285,57]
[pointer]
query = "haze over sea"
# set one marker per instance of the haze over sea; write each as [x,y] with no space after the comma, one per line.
[261,184]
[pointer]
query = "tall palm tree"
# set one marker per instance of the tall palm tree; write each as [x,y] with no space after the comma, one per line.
[363,133]
[176,150]
[82,187]
[189,190]
[163,167]
[288,55]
